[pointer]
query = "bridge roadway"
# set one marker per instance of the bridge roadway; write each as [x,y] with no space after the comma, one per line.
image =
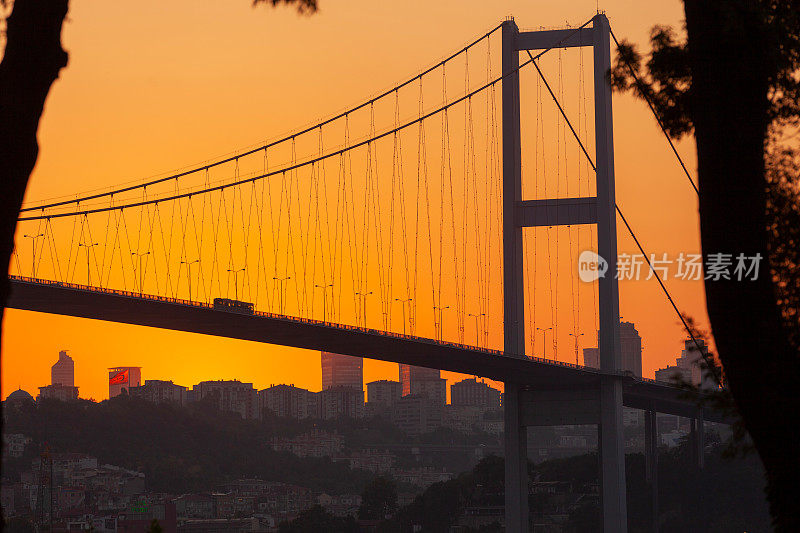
[536,374]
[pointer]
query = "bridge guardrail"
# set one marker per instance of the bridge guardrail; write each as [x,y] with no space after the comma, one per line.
[264,314]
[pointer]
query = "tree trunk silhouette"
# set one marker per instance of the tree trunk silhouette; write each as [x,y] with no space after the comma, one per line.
[730,81]
[32,61]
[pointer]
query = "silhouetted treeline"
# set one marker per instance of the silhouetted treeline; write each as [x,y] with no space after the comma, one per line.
[179,449]
[725,496]
[186,448]
[196,448]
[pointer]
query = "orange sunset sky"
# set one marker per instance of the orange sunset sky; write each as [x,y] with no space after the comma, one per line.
[163,85]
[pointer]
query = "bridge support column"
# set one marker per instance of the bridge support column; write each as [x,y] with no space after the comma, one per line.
[516,442]
[697,440]
[701,441]
[516,460]
[612,456]
[651,463]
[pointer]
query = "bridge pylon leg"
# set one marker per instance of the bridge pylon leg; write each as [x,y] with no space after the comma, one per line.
[697,440]
[651,463]
[612,443]
[612,456]
[516,461]
[516,445]
[519,213]
[701,440]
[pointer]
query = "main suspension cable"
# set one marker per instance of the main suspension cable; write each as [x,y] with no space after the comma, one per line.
[268,145]
[710,364]
[658,119]
[295,165]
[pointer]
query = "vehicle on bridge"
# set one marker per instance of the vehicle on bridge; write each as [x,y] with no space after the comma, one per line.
[233,306]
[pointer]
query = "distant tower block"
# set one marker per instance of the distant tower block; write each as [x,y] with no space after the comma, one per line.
[342,371]
[63,372]
[630,346]
[123,378]
[423,381]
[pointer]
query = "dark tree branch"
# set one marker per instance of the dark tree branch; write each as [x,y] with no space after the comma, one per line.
[664,80]
[32,61]
[729,50]
[304,7]
[735,84]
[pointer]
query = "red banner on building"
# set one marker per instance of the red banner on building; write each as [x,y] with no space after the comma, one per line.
[118,378]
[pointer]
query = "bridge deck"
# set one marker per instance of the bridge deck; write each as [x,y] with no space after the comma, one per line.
[194,317]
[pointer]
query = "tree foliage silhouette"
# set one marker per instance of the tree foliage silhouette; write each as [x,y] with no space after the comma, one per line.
[303,6]
[734,83]
[199,447]
[379,500]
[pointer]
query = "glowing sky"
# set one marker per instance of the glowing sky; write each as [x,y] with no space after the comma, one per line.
[162,85]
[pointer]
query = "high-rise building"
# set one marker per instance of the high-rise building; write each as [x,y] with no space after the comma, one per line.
[591,357]
[687,369]
[123,378]
[630,347]
[384,392]
[671,373]
[288,401]
[63,371]
[158,391]
[689,366]
[230,396]
[463,418]
[410,373]
[416,415]
[473,393]
[342,371]
[335,402]
[58,392]
[425,382]
[691,361]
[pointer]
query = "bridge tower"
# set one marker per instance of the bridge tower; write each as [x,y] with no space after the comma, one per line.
[533,406]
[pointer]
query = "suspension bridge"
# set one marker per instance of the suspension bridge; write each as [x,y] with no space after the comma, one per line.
[422,226]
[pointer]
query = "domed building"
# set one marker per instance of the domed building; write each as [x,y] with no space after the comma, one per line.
[19,395]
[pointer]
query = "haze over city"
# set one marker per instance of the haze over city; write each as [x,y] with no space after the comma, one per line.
[197,88]
[286,266]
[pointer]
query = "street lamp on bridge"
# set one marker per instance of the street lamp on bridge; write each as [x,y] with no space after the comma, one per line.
[324,299]
[363,296]
[141,270]
[236,281]
[441,325]
[544,340]
[33,247]
[88,247]
[477,317]
[576,335]
[403,302]
[189,274]
[281,290]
